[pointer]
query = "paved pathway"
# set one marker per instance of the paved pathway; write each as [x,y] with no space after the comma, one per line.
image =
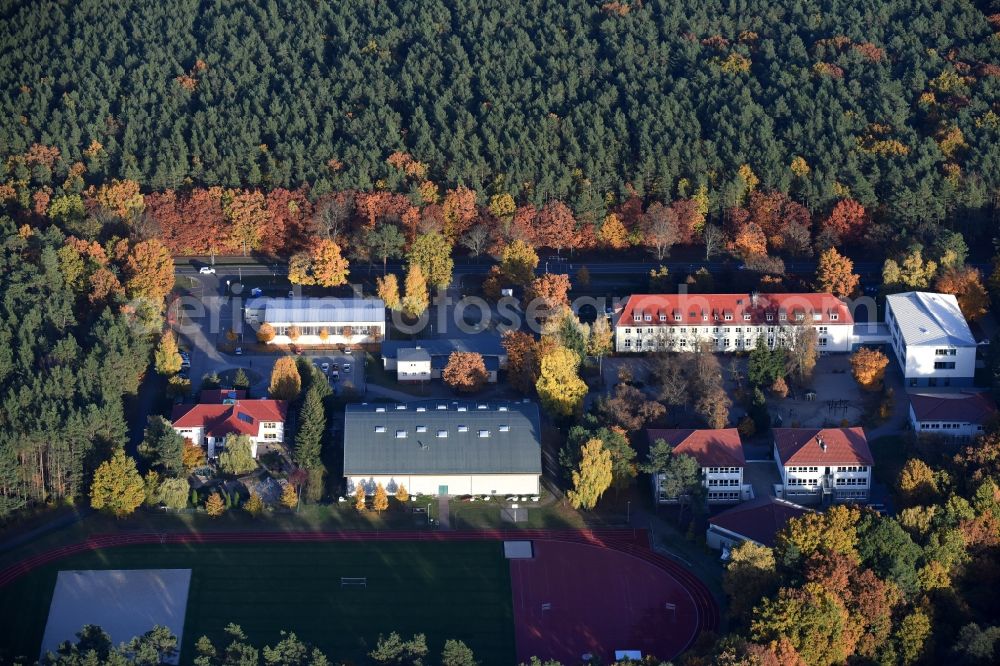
[444,515]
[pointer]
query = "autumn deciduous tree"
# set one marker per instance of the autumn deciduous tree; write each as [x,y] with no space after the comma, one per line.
[237,455]
[322,265]
[613,233]
[359,497]
[592,478]
[750,575]
[192,456]
[254,504]
[834,531]
[912,273]
[459,211]
[660,229]
[167,360]
[121,197]
[388,291]
[285,380]
[465,372]
[748,240]
[247,215]
[518,262]
[265,333]
[917,483]
[214,506]
[600,341]
[416,300]
[868,366]
[556,227]
[117,486]
[835,274]
[289,497]
[846,222]
[811,618]
[559,387]
[402,496]
[967,286]
[550,292]
[432,253]
[380,501]
[522,363]
[149,271]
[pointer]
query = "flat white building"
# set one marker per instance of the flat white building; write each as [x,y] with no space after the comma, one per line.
[413,365]
[822,465]
[719,454]
[730,322]
[315,321]
[931,339]
[961,415]
[444,447]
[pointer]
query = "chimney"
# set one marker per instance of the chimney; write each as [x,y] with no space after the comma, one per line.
[822,444]
[753,298]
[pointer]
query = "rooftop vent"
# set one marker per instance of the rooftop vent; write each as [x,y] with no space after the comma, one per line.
[380,409]
[379,428]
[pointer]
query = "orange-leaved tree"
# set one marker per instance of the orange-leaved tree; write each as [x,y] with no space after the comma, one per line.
[835,274]
[868,366]
[465,372]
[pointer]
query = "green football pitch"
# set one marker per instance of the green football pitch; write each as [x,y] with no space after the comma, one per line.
[442,589]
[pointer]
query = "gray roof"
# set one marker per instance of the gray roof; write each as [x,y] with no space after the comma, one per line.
[487,344]
[513,444]
[927,318]
[414,355]
[323,310]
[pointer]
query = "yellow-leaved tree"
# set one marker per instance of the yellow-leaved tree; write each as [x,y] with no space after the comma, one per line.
[868,366]
[285,380]
[167,360]
[518,262]
[402,496]
[416,300]
[289,497]
[359,497]
[380,502]
[117,486]
[388,291]
[214,506]
[559,387]
[592,477]
[835,274]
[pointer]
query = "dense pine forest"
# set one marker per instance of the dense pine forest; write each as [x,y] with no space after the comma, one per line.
[891,103]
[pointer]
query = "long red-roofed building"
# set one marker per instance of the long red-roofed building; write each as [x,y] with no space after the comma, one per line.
[719,454]
[730,322]
[823,464]
[207,424]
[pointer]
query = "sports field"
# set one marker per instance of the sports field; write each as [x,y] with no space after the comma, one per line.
[455,589]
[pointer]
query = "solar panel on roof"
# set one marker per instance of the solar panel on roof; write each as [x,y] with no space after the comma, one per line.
[246,418]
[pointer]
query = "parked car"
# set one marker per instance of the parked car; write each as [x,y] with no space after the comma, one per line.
[291,294]
[325,367]
[256,291]
[347,367]
[207,270]
[239,351]
[334,376]
[348,351]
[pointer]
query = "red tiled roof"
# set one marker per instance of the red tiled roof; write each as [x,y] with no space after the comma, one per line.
[694,308]
[840,446]
[760,519]
[711,448]
[242,417]
[218,396]
[964,407]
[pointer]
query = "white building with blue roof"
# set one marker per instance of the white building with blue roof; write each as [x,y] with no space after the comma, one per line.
[931,339]
[314,321]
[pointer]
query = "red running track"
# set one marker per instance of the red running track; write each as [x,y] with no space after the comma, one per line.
[605,586]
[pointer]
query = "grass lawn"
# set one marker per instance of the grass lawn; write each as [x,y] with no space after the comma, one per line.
[445,590]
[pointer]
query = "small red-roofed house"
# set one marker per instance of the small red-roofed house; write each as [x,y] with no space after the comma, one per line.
[758,520]
[958,416]
[719,454]
[208,424]
[823,464]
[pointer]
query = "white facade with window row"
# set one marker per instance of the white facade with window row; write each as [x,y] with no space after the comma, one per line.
[930,339]
[730,322]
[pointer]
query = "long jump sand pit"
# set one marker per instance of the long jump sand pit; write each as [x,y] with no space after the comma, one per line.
[124,602]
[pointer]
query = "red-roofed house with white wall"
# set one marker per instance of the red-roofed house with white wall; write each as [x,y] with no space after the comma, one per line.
[731,322]
[208,424]
[823,464]
[719,454]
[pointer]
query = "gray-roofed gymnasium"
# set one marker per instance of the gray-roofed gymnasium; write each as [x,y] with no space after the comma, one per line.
[343,321]
[444,447]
